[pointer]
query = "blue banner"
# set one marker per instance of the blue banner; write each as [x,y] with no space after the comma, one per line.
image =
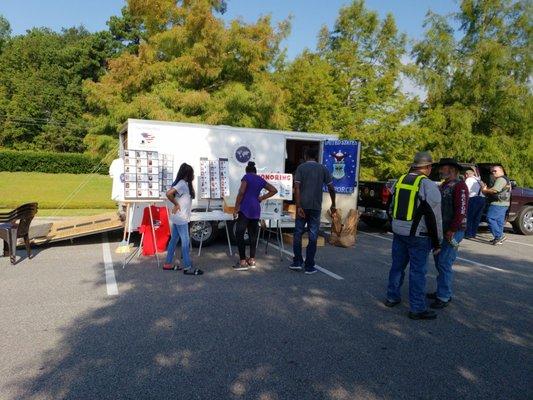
[340,158]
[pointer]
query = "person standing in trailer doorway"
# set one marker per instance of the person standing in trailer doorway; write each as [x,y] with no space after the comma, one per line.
[309,180]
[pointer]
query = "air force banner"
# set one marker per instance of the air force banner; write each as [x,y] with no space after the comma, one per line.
[341,158]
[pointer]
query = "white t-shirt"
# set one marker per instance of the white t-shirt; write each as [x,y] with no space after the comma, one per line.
[183,216]
[474,187]
[116,171]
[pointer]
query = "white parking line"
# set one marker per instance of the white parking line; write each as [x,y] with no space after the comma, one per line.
[321,269]
[523,244]
[459,258]
[110,281]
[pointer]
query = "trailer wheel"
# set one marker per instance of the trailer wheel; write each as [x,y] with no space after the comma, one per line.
[209,230]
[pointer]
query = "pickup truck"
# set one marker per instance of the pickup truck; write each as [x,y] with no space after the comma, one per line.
[375,197]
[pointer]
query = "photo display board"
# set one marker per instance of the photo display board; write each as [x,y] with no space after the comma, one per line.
[146,174]
[282,182]
[214,178]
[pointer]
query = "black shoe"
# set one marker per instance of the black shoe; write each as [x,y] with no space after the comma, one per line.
[432,296]
[438,304]
[192,271]
[423,315]
[295,267]
[389,303]
[499,241]
[310,270]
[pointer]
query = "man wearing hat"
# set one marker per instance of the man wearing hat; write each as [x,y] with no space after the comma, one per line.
[454,209]
[417,228]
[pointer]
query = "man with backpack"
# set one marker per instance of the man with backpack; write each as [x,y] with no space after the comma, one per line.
[499,196]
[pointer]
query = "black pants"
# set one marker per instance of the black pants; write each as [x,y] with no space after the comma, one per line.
[244,223]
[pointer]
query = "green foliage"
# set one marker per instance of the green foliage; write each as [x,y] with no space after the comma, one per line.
[479,104]
[178,60]
[40,161]
[41,102]
[191,67]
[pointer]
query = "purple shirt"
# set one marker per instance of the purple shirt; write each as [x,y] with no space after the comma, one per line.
[250,206]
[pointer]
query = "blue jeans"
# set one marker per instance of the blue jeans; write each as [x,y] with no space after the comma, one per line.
[496,220]
[414,251]
[444,262]
[312,220]
[476,205]
[180,232]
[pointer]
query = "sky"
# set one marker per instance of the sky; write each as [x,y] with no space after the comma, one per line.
[308,16]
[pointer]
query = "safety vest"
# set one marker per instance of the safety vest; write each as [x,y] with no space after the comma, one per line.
[405,196]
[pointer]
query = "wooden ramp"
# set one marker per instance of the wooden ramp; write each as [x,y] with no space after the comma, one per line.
[78,226]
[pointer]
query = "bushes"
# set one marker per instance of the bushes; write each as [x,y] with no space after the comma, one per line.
[39,161]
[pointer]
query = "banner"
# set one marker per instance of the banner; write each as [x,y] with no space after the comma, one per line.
[282,182]
[341,159]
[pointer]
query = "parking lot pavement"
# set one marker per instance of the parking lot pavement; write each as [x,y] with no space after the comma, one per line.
[267,333]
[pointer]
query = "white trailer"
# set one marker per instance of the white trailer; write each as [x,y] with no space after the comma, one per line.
[272,151]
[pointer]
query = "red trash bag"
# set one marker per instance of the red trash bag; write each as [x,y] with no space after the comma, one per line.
[161,229]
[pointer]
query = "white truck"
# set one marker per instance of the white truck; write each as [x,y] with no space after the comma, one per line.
[271,150]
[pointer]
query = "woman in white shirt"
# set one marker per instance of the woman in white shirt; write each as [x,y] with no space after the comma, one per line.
[476,203]
[181,195]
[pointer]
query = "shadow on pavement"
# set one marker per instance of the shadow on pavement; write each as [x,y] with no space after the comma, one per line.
[275,334]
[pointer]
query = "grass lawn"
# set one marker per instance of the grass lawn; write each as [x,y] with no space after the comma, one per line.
[93,192]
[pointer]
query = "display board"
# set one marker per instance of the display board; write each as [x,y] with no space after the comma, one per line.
[341,158]
[282,182]
[146,174]
[214,178]
[271,209]
[166,174]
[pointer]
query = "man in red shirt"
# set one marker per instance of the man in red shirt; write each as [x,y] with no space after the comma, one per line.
[454,208]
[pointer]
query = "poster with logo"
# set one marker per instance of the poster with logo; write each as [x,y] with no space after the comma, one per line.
[341,158]
[282,182]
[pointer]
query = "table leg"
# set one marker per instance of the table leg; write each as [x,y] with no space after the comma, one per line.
[280,240]
[153,234]
[227,235]
[201,240]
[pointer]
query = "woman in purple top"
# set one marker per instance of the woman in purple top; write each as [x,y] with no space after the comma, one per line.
[248,212]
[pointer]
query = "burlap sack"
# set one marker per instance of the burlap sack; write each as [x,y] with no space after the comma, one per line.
[342,241]
[350,224]
[336,222]
[344,235]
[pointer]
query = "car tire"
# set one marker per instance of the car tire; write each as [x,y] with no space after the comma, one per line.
[524,221]
[210,232]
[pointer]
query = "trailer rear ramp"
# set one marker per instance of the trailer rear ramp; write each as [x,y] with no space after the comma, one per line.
[75,227]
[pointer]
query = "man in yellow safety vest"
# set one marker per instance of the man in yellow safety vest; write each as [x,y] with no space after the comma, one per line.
[417,228]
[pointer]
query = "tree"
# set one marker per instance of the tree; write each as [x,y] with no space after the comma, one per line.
[191,67]
[351,86]
[479,103]
[41,103]
[5,31]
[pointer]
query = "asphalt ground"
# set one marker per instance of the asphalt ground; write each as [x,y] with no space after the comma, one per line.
[68,332]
